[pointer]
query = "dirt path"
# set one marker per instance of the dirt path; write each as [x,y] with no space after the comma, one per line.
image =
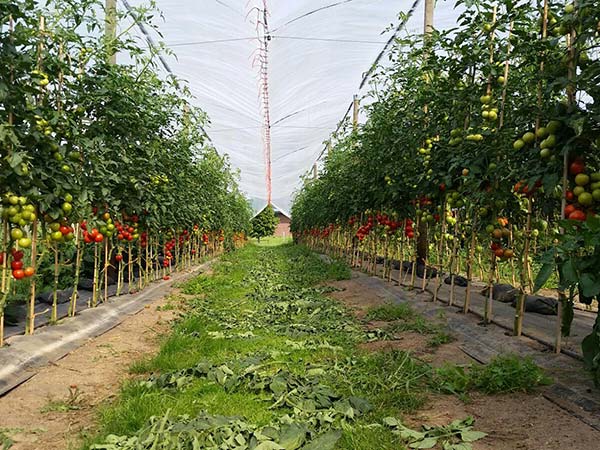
[513,422]
[40,413]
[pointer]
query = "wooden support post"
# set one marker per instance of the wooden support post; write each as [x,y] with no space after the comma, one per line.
[110,32]
[355,108]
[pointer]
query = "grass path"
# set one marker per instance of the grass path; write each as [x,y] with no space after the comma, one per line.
[262,359]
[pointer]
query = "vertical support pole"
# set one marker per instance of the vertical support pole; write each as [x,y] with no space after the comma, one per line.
[110,31]
[428,17]
[355,107]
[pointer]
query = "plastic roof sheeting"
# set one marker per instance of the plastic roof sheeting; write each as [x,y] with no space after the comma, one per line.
[318,54]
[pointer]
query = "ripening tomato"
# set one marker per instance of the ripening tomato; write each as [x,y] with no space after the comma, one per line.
[569,209]
[577,167]
[577,215]
[499,253]
[18,274]
[29,271]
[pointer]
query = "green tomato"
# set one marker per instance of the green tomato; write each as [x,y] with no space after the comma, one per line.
[528,138]
[67,208]
[541,133]
[585,199]
[582,179]
[16,234]
[25,242]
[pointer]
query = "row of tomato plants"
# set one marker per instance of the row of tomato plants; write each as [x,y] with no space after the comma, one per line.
[489,131]
[105,162]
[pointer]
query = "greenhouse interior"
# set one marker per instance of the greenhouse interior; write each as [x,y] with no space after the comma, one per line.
[299,224]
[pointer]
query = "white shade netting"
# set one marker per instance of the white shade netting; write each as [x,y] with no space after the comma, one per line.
[318,54]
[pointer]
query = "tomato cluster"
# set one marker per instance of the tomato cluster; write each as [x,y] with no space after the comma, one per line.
[585,192]
[18,270]
[19,213]
[500,234]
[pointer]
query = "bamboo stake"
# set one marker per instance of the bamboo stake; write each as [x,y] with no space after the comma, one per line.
[54,314]
[96,276]
[107,253]
[424,281]
[562,298]
[440,257]
[453,257]
[31,310]
[520,307]
[470,259]
[129,268]
[78,258]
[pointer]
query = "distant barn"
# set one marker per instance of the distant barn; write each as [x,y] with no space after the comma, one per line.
[283,229]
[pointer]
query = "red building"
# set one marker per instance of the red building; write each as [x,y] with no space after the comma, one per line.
[283,229]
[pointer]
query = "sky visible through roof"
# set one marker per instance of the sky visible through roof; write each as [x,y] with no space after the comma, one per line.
[318,54]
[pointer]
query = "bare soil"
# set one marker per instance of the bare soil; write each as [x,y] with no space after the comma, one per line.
[42,414]
[512,421]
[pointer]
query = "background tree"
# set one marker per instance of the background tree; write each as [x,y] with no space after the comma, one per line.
[264,223]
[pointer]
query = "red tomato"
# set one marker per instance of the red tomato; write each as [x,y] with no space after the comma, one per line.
[18,274]
[16,265]
[569,209]
[166,277]
[577,215]
[64,230]
[94,232]
[577,167]
[570,196]
[98,238]
[499,253]
[119,257]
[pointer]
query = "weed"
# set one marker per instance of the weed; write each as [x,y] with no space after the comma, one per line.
[73,402]
[439,338]
[504,374]
[390,312]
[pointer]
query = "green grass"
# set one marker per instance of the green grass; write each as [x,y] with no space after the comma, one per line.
[288,352]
